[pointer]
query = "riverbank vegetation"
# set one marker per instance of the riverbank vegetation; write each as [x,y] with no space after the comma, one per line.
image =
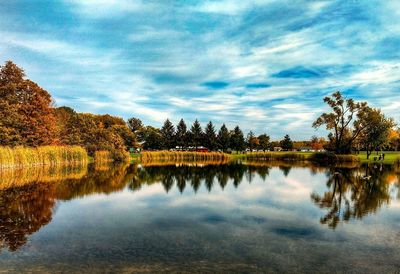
[150,156]
[28,118]
[22,157]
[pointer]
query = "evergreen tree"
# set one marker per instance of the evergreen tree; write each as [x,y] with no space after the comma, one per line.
[286,143]
[168,134]
[210,136]
[237,139]
[196,134]
[223,138]
[181,136]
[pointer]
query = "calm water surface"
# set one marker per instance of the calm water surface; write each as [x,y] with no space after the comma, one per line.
[201,218]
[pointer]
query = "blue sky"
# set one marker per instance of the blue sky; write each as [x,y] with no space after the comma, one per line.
[265,65]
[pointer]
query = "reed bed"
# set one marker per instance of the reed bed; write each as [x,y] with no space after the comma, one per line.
[102,156]
[13,177]
[203,162]
[182,156]
[276,156]
[20,157]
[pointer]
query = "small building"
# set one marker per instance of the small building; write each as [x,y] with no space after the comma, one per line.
[306,149]
[278,149]
[202,149]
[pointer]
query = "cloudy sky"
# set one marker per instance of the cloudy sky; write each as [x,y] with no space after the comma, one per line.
[262,64]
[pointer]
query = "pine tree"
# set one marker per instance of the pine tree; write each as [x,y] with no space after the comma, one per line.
[168,134]
[210,136]
[181,135]
[223,138]
[237,139]
[196,134]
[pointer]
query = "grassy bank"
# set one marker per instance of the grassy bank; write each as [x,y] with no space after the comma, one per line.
[149,156]
[390,157]
[19,157]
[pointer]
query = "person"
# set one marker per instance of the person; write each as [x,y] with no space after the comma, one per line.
[383,156]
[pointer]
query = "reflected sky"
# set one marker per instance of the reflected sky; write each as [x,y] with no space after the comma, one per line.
[216,218]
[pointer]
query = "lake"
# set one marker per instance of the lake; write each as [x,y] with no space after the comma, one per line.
[201,217]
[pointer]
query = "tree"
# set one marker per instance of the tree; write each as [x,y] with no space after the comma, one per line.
[264,143]
[252,141]
[210,136]
[26,113]
[237,139]
[196,134]
[223,138]
[168,134]
[377,130]
[345,122]
[317,143]
[135,124]
[286,143]
[181,134]
[151,137]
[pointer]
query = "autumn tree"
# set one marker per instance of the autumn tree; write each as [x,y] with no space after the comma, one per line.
[377,130]
[223,138]
[26,113]
[181,135]
[168,134]
[264,142]
[345,122]
[252,141]
[286,143]
[317,143]
[210,136]
[237,139]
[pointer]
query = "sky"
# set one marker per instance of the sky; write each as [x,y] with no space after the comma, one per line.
[264,65]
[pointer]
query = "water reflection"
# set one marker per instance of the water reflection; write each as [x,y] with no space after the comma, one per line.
[28,200]
[354,193]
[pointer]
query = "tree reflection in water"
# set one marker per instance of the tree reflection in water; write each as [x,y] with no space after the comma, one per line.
[27,202]
[354,193]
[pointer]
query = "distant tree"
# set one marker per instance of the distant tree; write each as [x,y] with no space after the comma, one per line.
[317,143]
[252,141]
[135,124]
[181,135]
[26,113]
[264,142]
[210,136]
[345,123]
[377,130]
[237,139]
[286,143]
[196,134]
[168,134]
[394,140]
[151,138]
[223,138]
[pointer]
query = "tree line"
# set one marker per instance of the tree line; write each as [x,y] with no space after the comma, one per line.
[28,117]
[183,137]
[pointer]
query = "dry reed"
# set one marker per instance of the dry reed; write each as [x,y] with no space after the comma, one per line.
[20,157]
[180,156]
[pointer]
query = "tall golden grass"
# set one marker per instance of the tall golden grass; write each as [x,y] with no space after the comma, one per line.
[17,177]
[19,157]
[150,156]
